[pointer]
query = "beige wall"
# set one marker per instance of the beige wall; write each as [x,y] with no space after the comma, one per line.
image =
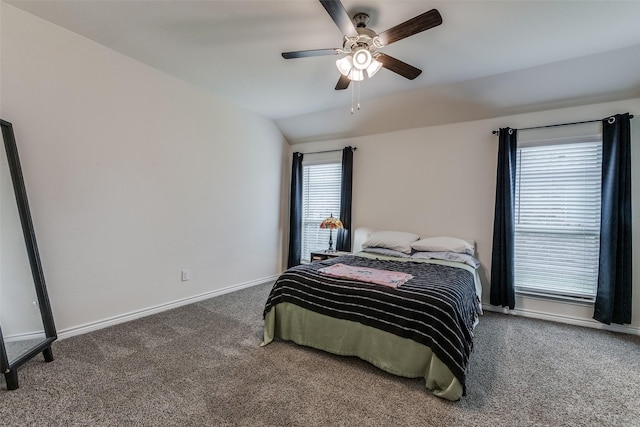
[441,181]
[133,175]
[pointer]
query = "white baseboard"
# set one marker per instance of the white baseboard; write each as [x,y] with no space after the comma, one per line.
[100,324]
[589,323]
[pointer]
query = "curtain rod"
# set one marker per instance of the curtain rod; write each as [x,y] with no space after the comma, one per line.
[495,132]
[329,151]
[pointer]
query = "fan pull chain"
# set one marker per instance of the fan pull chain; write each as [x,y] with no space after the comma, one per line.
[353,95]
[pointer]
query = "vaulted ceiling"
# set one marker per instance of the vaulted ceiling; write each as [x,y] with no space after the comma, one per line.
[488,58]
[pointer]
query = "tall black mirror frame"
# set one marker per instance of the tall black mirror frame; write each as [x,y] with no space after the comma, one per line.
[10,368]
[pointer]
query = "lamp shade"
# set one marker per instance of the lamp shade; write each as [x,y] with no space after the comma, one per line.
[331,223]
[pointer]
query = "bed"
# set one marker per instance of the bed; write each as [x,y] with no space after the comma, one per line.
[417,324]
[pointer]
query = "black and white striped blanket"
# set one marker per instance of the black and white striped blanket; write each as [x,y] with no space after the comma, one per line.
[437,308]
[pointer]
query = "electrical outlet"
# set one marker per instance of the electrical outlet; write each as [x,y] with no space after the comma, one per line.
[185,275]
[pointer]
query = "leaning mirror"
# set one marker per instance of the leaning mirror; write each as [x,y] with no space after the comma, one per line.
[26,322]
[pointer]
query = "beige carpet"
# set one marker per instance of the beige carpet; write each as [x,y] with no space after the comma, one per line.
[201,365]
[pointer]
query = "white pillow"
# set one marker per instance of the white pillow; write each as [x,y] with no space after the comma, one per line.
[443,244]
[386,252]
[448,256]
[396,240]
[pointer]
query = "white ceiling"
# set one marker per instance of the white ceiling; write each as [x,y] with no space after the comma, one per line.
[488,58]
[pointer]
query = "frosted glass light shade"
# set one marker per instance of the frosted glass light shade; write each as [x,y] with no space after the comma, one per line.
[362,59]
[356,75]
[373,68]
[344,65]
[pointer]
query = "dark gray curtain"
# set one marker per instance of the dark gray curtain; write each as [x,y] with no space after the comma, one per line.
[343,241]
[613,300]
[295,212]
[502,258]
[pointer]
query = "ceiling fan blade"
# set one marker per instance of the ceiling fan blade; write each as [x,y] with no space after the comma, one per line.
[343,82]
[397,66]
[336,10]
[313,52]
[413,26]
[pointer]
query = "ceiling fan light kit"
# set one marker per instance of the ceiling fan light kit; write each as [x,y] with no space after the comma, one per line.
[360,44]
[354,66]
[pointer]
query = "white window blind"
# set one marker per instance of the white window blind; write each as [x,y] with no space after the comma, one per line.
[557,218]
[320,198]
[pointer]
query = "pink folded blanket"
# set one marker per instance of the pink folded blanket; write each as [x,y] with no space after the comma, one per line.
[365,274]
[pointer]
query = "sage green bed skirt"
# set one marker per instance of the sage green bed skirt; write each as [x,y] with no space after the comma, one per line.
[391,353]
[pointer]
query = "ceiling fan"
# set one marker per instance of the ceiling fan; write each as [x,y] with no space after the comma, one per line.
[361,44]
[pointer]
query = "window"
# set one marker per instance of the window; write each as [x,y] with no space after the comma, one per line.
[557,217]
[322,178]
